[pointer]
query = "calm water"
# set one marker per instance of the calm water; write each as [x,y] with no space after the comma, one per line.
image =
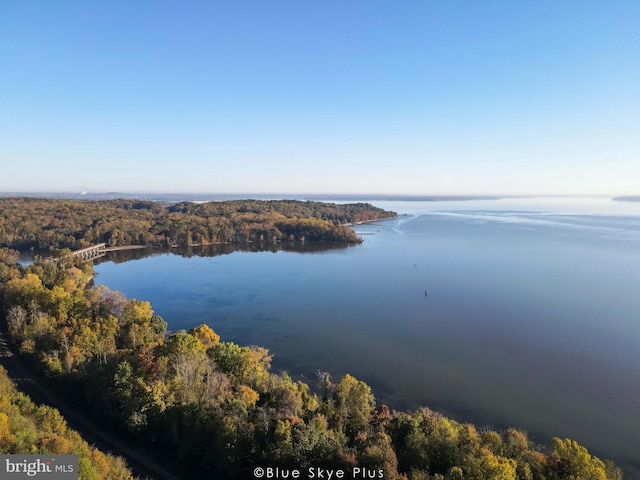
[532,318]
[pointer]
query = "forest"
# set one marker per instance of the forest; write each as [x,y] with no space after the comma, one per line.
[44,224]
[28,428]
[217,410]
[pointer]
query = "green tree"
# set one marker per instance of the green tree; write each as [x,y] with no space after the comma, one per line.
[570,461]
[354,404]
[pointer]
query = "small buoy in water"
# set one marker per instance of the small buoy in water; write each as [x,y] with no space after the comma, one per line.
[426,293]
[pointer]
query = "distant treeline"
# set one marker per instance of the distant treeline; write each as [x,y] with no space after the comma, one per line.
[628,199]
[217,410]
[41,224]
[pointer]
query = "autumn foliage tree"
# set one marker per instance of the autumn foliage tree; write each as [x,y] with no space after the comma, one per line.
[41,224]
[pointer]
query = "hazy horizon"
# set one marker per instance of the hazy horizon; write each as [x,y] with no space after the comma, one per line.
[376,195]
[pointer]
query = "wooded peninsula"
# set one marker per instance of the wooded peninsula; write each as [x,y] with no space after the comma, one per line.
[42,224]
[212,408]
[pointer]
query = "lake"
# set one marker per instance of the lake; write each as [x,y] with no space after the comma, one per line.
[532,318]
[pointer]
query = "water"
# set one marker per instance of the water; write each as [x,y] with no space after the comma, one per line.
[532,318]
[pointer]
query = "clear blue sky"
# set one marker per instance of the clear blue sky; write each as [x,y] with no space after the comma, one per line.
[414,97]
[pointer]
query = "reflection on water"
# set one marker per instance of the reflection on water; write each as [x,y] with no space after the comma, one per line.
[214,250]
[531,320]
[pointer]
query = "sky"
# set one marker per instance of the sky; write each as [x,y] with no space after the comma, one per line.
[413,97]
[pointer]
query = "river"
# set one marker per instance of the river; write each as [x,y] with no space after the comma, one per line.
[532,318]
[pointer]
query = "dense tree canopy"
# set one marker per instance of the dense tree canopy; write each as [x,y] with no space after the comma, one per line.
[218,409]
[34,223]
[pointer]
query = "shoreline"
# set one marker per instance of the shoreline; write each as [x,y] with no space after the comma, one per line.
[367,221]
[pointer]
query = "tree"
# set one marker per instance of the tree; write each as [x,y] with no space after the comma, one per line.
[354,403]
[249,365]
[206,335]
[23,291]
[16,320]
[131,395]
[139,325]
[182,343]
[571,461]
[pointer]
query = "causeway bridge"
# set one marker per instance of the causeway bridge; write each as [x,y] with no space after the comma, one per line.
[100,249]
[89,253]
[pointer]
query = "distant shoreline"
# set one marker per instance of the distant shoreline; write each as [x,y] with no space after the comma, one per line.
[208,197]
[170,198]
[635,198]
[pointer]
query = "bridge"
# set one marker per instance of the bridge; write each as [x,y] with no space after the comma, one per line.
[89,253]
[100,249]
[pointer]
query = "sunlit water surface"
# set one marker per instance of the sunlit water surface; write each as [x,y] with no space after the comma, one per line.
[532,317]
